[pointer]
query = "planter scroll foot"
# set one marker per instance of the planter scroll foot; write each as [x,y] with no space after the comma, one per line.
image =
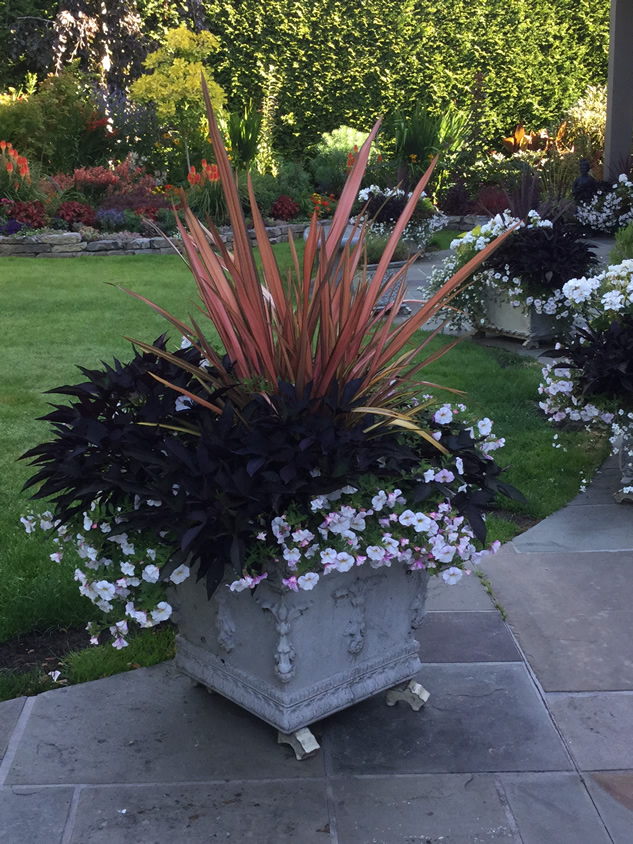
[302,742]
[621,497]
[412,693]
[198,685]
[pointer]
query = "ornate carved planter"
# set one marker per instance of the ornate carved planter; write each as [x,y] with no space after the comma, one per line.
[523,322]
[292,658]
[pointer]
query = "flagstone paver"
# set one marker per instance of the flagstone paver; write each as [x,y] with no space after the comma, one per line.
[288,812]
[571,613]
[544,802]
[598,728]
[9,714]
[466,637]
[612,792]
[149,725]
[480,717]
[414,810]
[34,815]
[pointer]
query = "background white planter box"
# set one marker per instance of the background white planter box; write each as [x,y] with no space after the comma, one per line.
[523,321]
[292,658]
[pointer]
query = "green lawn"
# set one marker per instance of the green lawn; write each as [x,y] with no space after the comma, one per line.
[57,313]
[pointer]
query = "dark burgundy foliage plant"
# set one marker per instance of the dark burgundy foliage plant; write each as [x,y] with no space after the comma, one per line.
[140,200]
[544,258]
[30,214]
[284,208]
[126,434]
[77,212]
[604,359]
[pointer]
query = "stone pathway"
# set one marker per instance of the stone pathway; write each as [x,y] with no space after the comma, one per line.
[527,737]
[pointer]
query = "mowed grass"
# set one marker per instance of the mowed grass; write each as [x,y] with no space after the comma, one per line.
[55,314]
[503,386]
[59,313]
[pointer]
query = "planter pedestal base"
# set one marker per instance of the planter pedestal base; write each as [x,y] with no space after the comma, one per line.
[302,742]
[294,658]
[412,693]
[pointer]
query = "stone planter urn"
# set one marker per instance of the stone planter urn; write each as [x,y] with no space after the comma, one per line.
[293,658]
[523,322]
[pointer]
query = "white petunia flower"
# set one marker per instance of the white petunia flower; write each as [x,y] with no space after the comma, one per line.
[452,575]
[151,574]
[180,574]
[308,580]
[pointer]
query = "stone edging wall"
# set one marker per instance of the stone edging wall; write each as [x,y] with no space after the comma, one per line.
[72,245]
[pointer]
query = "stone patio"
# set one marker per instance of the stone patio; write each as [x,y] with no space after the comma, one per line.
[527,737]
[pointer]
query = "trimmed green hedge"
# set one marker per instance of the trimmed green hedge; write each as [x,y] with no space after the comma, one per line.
[338,62]
[334,62]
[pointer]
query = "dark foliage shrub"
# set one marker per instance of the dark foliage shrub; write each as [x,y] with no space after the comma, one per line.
[491,200]
[58,224]
[604,359]
[141,200]
[31,214]
[456,200]
[284,208]
[544,258]
[77,212]
[124,434]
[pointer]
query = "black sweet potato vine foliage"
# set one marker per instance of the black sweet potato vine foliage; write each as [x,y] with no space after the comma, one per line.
[126,434]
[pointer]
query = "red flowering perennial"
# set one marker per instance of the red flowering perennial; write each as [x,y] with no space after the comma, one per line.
[16,165]
[208,172]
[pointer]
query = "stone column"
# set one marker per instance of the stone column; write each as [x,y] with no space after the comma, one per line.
[619,130]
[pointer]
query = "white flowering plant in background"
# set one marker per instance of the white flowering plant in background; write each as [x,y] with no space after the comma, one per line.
[592,383]
[529,270]
[611,210]
[383,206]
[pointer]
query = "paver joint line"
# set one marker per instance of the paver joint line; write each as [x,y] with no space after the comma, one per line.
[14,740]
[505,805]
[72,816]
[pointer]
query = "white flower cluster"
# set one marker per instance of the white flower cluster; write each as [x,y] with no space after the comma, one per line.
[336,539]
[419,233]
[377,532]
[112,572]
[469,304]
[561,400]
[608,212]
[373,190]
[609,293]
